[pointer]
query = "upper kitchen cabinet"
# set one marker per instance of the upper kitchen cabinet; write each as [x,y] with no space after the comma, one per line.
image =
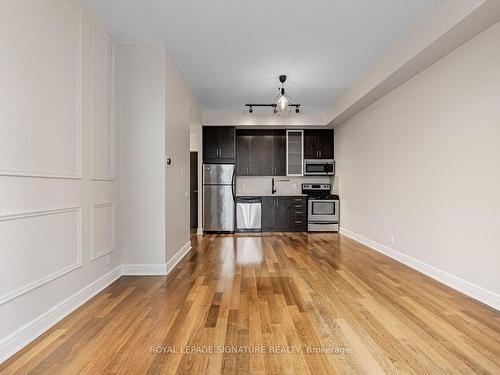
[294,152]
[279,153]
[219,144]
[318,144]
[260,153]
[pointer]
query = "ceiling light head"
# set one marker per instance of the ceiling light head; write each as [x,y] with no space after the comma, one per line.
[282,104]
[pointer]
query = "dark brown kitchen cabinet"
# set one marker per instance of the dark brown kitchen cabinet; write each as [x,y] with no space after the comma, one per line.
[279,153]
[219,144]
[318,144]
[261,153]
[284,214]
[242,156]
[269,214]
[249,160]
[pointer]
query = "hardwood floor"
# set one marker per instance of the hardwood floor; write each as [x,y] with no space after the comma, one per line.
[272,304]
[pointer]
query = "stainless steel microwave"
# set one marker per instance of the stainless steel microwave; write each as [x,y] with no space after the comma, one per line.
[319,167]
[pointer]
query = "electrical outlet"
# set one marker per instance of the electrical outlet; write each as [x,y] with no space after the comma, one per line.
[392,238]
[108,259]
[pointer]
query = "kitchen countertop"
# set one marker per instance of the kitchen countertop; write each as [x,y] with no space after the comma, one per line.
[271,195]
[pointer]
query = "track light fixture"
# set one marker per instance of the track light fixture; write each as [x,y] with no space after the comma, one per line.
[282,103]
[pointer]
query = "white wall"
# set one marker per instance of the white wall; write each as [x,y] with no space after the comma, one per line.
[142,183]
[58,186]
[422,164]
[182,113]
[157,111]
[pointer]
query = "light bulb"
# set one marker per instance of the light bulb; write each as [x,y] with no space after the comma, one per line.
[282,103]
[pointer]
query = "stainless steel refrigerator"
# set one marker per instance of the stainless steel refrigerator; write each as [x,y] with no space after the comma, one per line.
[218,197]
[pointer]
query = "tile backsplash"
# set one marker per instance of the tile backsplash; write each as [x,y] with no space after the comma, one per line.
[284,185]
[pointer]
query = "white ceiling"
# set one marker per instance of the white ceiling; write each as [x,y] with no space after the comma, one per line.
[231,52]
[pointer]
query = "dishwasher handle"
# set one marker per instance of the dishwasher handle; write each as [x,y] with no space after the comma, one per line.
[248,200]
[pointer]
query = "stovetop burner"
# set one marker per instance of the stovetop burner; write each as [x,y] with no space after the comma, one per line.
[323,196]
[319,191]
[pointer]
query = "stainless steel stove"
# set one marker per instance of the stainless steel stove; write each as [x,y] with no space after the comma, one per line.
[322,208]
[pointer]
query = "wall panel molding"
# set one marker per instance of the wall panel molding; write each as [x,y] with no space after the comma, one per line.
[97,31]
[49,277]
[97,253]
[13,172]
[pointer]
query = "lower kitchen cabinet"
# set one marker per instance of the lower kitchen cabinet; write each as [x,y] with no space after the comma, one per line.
[284,214]
[269,214]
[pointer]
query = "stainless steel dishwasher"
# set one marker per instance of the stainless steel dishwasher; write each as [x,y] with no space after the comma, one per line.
[248,214]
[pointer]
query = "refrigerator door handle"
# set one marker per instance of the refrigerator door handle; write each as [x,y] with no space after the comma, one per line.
[233,184]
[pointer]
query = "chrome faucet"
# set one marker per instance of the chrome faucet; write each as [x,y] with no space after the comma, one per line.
[273,187]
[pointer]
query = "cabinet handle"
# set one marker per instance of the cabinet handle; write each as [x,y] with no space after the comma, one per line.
[298,212]
[319,153]
[247,172]
[298,222]
[298,199]
[298,206]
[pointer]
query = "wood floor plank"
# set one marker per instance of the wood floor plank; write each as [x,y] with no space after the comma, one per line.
[280,303]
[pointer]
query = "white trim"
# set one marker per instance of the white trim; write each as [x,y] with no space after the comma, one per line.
[27,333]
[30,331]
[159,269]
[144,269]
[302,156]
[178,257]
[472,290]
[112,146]
[199,231]
[47,278]
[93,254]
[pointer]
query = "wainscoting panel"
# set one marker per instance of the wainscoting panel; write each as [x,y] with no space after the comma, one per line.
[102,105]
[103,229]
[38,247]
[41,138]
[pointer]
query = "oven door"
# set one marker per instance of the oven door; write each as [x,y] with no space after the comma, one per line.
[325,210]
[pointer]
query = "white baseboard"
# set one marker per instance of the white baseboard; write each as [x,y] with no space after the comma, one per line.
[177,257]
[144,269]
[30,331]
[156,269]
[472,290]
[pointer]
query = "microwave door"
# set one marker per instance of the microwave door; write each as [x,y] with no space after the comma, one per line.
[315,169]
